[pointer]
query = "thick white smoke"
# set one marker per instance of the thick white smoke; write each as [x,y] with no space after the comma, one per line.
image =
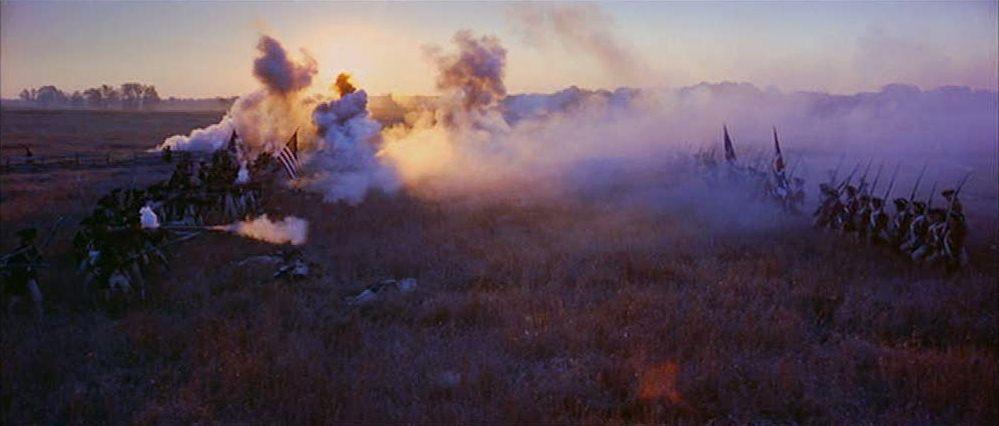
[264,119]
[290,230]
[344,165]
[469,142]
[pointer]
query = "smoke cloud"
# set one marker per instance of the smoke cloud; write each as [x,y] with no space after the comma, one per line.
[582,29]
[265,118]
[278,72]
[290,230]
[344,164]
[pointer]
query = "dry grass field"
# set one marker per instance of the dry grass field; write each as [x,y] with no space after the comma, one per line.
[568,308]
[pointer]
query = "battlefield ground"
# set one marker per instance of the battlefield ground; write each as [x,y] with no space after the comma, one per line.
[577,308]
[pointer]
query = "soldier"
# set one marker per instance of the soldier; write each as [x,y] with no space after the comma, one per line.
[21,275]
[932,241]
[954,239]
[825,214]
[851,207]
[878,232]
[955,205]
[918,228]
[863,217]
[899,228]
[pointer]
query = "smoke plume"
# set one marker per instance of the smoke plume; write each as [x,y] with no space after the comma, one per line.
[264,118]
[344,165]
[291,229]
[278,72]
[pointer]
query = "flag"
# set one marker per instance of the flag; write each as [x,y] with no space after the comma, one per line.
[289,156]
[779,159]
[729,150]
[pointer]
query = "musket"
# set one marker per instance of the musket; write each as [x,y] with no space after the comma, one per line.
[832,177]
[863,178]
[848,178]
[912,196]
[929,202]
[877,177]
[953,197]
[892,183]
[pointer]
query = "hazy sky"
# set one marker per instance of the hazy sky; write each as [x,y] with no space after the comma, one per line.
[206,49]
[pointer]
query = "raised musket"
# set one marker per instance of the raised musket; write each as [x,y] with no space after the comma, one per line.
[848,178]
[832,177]
[892,183]
[950,207]
[929,202]
[912,195]
[877,177]
[863,178]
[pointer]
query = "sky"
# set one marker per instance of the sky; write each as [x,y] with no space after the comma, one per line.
[206,49]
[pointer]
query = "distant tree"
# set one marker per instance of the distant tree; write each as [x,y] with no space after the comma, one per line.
[26,95]
[131,95]
[110,96]
[149,96]
[51,96]
[94,97]
[76,99]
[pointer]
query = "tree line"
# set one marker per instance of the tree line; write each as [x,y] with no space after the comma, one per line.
[126,96]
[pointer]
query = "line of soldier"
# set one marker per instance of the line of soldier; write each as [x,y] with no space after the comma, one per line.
[120,241]
[778,185]
[916,229]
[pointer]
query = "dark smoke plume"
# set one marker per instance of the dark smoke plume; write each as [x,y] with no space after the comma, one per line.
[278,72]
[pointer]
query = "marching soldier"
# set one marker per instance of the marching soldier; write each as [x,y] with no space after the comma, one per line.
[932,241]
[899,228]
[825,214]
[878,232]
[918,228]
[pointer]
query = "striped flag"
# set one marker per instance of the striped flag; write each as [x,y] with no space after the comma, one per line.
[289,156]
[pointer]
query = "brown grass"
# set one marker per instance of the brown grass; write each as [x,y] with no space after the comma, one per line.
[551,310]
[554,311]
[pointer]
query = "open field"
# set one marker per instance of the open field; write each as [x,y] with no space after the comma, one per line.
[596,307]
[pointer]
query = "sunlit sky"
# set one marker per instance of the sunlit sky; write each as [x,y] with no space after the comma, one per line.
[190,49]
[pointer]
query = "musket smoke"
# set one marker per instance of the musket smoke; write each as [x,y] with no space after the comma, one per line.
[278,72]
[265,116]
[344,165]
[291,229]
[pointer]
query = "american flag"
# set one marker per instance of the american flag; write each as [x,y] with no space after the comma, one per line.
[289,156]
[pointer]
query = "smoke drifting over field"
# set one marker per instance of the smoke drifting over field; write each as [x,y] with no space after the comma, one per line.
[290,230]
[475,138]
